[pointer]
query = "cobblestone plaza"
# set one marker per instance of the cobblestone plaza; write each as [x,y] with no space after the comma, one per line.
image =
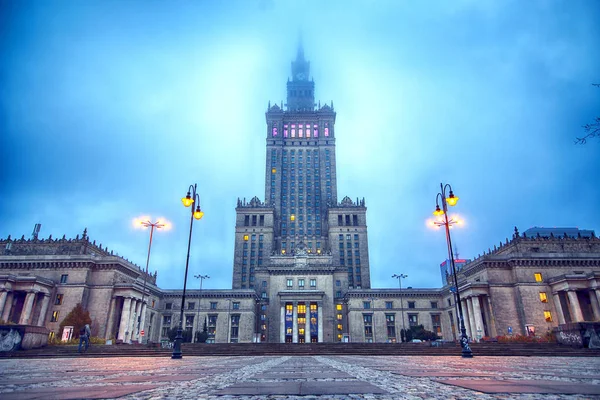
[312,377]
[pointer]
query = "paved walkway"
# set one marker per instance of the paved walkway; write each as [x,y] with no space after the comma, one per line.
[293,377]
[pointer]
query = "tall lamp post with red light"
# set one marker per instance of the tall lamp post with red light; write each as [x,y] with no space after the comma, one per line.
[451,200]
[146,223]
[189,200]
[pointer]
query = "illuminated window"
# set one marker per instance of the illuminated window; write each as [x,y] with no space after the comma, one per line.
[339,317]
[548,316]
[300,131]
[274,130]
[273,170]
[326,130]
[293,131]
[59,299]
[339,336]
[55,315]
[340,327]
[292,217]
[245,237]
[538,277]
[338,307]
[543,297]
[51,335]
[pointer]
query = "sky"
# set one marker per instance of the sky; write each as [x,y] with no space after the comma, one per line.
[109,110]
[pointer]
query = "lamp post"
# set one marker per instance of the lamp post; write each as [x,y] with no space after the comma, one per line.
[452,200]
[400,277]
[191,198]
[202,278]
[151,225]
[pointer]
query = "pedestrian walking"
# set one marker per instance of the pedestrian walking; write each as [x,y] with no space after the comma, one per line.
[84,337]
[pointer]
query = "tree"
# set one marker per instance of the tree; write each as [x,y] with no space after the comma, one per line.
[186,334]
[592,130]
[77,318]
[419,332]
[202,336]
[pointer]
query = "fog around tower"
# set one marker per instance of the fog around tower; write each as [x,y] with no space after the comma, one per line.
[110,110]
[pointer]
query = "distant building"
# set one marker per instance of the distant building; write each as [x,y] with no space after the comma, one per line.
[446,269]
[559,232]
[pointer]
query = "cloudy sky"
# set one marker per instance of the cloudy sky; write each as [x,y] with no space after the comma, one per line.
[111,109]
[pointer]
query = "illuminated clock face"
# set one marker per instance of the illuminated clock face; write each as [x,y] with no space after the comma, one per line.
[300,76]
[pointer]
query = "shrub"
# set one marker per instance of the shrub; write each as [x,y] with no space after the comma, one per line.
[77,318]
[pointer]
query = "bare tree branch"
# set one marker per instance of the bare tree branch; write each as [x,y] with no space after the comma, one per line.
[592,130]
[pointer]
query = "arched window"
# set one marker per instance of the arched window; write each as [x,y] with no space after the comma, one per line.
[316,130]
[274,130]
[285,130]
[326,129]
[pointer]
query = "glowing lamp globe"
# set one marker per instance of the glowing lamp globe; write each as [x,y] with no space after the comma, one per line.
[452,199]
[437,211]
[187,200]
[198,214]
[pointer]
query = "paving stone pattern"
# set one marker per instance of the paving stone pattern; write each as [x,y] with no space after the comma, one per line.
[301,377]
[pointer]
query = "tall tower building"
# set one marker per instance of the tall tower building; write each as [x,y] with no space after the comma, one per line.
[301,224]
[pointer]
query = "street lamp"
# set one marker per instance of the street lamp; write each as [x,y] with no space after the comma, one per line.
[191,198]
[147,224]
[202,278]
[400,277]
[451,199]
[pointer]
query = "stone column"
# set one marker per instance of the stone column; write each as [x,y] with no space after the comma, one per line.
[465,311]
[282,325]
[137,315]
[125,312]
[295,324]
[7,306]
[477,317]
[111,318]
[3,296]
[490,317]
[27,308]
[595,305]
[131,323]
[320,322]
[575,307]
[143,321]
[558,306]
[44,309]
[307,324]
[472,326]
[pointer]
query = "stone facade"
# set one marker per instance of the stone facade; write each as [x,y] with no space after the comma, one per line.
[301,269]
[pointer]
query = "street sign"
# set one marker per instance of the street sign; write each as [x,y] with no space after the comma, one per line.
[142,333]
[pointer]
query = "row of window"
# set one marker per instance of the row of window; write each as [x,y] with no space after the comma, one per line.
[346,218]
[303,130]
[255,218]
[235,305]
[301,282]
[390,304]
[211,326]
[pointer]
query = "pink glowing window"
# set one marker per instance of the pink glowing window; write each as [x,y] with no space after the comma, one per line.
[307,130]
[316,131]
[326,131]
[300,131]
[274,131]
[285,130]
[293,130]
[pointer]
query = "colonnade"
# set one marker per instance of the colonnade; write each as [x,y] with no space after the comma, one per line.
[473,315]
[574,307]
[34,300]
[129,308]
[295,337]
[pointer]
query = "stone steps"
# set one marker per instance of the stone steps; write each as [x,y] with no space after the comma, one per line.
[310,349]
